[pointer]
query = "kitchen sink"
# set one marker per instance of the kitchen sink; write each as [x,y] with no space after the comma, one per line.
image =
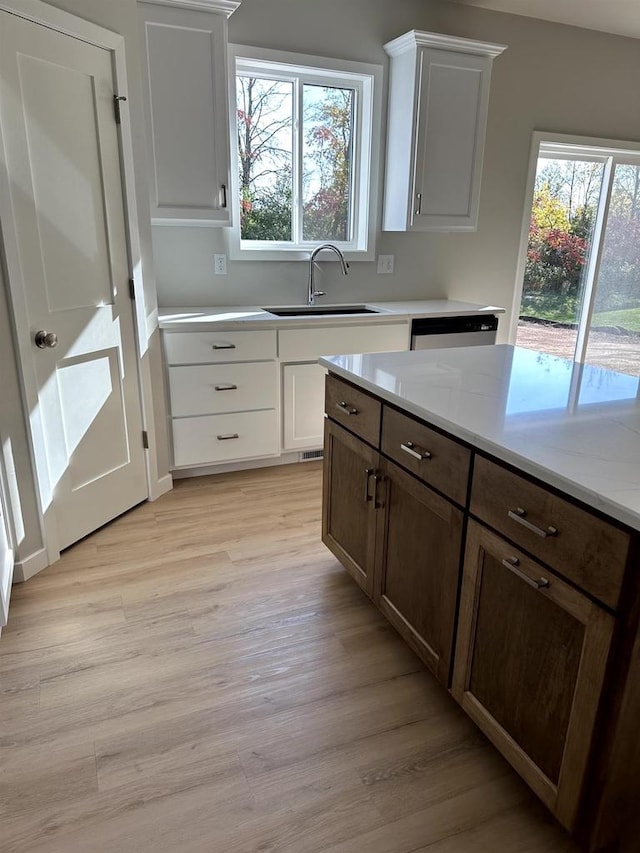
[320,310]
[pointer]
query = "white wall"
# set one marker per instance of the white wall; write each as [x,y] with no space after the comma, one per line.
[552,77]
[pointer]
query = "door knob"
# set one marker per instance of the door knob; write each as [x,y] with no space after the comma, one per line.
[46,340]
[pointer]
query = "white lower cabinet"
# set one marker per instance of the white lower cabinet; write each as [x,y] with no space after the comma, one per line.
[214,389]
[230,402]
[225,438]
[302,406]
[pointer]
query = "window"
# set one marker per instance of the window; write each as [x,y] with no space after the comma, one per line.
[304,143]
[580,271]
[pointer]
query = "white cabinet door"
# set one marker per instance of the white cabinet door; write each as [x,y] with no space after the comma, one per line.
[303,406]
[438,102]
[185,62]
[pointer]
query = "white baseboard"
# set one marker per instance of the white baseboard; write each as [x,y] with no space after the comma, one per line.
[204,470]
[160,487]
[30,566]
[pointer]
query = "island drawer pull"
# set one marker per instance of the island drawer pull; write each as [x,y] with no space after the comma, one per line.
[228,436]
[346,408]
[512,563]
[226,387]
[223,346]
[417,452]
[518,514]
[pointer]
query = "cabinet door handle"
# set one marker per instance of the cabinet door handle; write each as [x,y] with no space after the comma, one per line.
[417,452]
[223,187]
[367,475]
[223,346]
[512,564]
[225,387]
[418,204]
[228,436]
[377,478]
[520,515]
[346,408]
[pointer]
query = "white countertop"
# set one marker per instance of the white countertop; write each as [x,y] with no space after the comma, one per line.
[574,427]
[248,317]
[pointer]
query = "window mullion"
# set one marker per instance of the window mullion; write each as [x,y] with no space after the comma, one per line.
[299,159]
[595,258]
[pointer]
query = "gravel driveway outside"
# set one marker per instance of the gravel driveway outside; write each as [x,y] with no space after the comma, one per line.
[616,351]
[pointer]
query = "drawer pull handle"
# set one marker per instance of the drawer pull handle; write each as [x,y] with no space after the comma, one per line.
[418,204]
[226,387]
[377,478]
[346,408]
[228,436]
[520,514]
[367,476]
[223,346]
[417,452]
[512,564]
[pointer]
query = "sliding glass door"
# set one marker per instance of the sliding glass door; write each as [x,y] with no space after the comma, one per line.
[581,281]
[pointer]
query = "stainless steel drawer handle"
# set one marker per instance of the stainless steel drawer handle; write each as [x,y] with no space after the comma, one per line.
[228,436]
[346,408]
[417,452]
[520,515]
[223,346]
[367,476]
[225,387]
[512,564]
[418,204]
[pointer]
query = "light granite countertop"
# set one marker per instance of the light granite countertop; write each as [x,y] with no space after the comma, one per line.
[249,317]
[575,427]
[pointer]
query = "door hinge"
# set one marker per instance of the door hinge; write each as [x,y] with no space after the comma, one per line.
[132,289]
[145,439]
[116,106]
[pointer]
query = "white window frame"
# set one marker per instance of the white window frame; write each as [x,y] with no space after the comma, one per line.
[560,146]
[366,80]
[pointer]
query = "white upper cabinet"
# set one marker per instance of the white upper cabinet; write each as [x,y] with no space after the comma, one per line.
[185,64]
[438,101]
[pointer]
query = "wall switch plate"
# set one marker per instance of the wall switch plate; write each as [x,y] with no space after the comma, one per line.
[220,264]
[385,264]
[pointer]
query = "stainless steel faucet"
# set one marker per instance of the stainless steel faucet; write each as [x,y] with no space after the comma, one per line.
[343,265]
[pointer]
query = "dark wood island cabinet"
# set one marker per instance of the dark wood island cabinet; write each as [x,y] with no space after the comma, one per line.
[523,602]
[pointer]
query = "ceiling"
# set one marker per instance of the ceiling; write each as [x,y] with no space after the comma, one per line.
[621,17]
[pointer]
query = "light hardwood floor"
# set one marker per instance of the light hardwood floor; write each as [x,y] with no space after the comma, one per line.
[202,675]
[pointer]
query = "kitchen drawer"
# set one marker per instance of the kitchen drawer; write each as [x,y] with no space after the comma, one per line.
[309,344]
[354,409]
[218,346]
[212,389]
[437,460]
[225,438]
[590,552]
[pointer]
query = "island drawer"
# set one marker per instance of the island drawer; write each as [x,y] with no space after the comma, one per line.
[356,410]
[437,460]
[210,389]
[225,438]
[219,346]
[587,550]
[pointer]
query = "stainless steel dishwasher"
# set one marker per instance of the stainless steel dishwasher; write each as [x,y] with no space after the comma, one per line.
[434,332]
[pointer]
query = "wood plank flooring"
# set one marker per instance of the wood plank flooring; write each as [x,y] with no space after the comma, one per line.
[202,675]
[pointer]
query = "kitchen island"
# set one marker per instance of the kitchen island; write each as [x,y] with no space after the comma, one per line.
[488,502]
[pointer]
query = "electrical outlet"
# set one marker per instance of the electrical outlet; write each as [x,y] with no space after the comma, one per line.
[385,264]
[220,264]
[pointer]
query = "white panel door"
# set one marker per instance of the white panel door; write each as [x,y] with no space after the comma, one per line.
[303,410]
[67,225]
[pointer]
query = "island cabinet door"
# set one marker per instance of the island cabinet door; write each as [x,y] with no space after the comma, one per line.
[418,566]
[531,653]
[350,503]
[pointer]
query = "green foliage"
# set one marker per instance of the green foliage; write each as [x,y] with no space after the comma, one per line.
[267,214]
[628,320]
